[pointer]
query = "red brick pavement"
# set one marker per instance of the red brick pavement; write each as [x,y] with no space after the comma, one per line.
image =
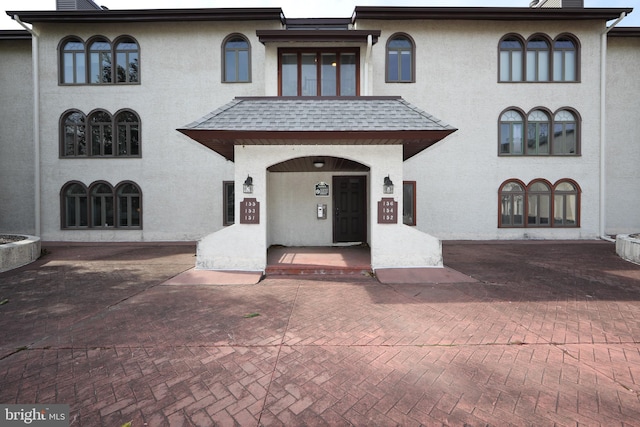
[548,336]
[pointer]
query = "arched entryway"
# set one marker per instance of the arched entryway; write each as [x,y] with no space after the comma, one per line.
[318,200]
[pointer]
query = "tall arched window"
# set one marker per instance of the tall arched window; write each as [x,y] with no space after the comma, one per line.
[129,206]
[100,61]
[127,60]
[512,204]
[128,133]
[74,205]
[565,59]
[102,206]
[511,59]
[566,201]
[236,60]
[74,142]
[565,129]
[511,133]
[538,61]
[400,59]
[72,62]
[538,133]
[538,204]
[101,131]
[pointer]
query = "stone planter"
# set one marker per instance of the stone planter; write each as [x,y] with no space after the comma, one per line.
[19,251]
[628,247]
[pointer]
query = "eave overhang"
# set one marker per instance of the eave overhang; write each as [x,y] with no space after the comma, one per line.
[324,36]
[624,32]
[488,13]
[15,35]
[151,15]
[317,121]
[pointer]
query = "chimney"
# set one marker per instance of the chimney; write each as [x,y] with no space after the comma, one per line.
[76,5]
[566,4]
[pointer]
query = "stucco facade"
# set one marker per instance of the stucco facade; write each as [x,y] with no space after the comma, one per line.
[457,180]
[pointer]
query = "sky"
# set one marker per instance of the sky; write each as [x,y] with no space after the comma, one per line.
[301,8]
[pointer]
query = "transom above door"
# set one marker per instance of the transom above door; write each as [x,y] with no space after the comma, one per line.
[319,72]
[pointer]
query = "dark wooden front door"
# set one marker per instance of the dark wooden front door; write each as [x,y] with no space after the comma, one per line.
[349,209]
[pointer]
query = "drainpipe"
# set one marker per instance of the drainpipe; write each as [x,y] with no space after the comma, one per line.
[603,127]
[36,120]
[367,64]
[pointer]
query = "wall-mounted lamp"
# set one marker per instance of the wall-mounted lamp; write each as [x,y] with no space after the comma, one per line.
[318,163]
[387,187]
[247,187]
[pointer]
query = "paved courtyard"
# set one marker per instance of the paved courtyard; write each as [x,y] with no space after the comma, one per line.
[547,335]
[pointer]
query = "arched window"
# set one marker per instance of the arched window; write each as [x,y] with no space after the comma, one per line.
[511,133]
[566,202]
[538,61]
[400,59]
[101,132]
[537,133]
[538,204]
[72,62]
[102,206]
[565,133]
[128,133]
[236,60]
[127,60]
[73,139]
[565,59]
[100,61]
[512,204]
[511,59]
[74,205]
[129,206]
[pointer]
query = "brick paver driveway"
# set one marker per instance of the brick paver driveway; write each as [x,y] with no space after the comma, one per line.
[549,335]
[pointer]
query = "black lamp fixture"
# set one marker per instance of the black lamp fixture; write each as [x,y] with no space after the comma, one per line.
[387,187]
[247,187]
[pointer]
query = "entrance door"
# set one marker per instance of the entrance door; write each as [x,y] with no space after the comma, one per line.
[349,206]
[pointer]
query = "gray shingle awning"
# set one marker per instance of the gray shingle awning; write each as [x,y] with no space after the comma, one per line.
[318,120]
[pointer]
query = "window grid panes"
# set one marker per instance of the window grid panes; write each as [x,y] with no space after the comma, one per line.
[313,72]
[541,61]
[101,207]
[100,61]
[94,137]
[400,52]
[237,63]
[544,136]
[545,206]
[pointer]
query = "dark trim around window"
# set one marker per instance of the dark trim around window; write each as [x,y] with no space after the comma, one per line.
[409,206]
[228,204]
[412,50]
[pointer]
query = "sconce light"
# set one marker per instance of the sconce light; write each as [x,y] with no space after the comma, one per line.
[247,187]
[387,187]
[318,163]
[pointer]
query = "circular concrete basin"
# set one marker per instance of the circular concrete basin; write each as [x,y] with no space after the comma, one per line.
[628,247]
[18,250]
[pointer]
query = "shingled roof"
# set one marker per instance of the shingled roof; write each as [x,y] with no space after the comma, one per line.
[318,120]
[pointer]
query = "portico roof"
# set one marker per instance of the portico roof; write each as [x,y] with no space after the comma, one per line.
[318,120]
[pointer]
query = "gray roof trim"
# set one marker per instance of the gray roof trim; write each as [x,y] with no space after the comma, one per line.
[625,32]
[15,35]
[151,15]
[360,36]
[487,13]
[317,120]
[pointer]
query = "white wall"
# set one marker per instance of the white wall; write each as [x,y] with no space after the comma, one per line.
[623,136]
[181,181]
[17,214]
[393,245]
[457,72]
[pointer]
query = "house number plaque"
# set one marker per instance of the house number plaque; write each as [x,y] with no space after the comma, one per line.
[249,211]
[387,211]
